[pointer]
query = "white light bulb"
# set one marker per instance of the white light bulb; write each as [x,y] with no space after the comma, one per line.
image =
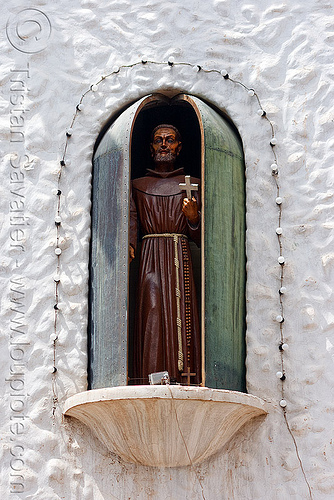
[57,219]
[273,141]
[283,403]
[279,230]
[58,251]
[115,69]
[285,346]
[55,191]
[94,88]
[251,92]
[279,200]
[56,278]
[274,168]
[171,60]
[282,290]
[279,318]
[260,112]
[196,68]
[281,259]
[279,374]
[69,131]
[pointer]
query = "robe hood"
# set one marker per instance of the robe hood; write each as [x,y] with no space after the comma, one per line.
[173,173]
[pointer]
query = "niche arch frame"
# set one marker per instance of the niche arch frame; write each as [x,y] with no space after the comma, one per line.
[112,370]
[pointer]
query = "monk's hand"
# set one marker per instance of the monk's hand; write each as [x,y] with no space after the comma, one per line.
[131,253]
[190,210]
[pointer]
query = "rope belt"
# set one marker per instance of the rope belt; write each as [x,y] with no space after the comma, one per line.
[175,237]
[165,235]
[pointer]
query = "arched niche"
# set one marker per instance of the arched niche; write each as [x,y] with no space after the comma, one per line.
[212,150]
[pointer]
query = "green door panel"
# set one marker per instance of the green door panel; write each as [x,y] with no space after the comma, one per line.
[224,252]
[109,255]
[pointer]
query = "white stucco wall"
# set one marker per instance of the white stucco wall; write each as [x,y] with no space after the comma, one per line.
[284,50]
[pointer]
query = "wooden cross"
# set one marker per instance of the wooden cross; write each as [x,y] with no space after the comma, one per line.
[187,186]
[188,375]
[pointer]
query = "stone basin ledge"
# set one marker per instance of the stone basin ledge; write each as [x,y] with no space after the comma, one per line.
[162,425]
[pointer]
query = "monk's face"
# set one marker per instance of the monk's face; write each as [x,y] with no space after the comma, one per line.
[165,147]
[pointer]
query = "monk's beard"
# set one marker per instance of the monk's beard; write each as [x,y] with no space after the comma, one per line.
[165,158]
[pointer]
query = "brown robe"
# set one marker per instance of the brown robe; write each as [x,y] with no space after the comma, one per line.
[157,206]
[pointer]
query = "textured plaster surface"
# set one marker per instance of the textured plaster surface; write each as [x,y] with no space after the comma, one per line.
[285,51]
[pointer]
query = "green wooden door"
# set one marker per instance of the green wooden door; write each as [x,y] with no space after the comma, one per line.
[224,261]
[109,255]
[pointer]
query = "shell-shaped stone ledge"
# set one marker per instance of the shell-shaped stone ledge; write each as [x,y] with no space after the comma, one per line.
[164,425]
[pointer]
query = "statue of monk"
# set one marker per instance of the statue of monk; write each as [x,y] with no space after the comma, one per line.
[167,331]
